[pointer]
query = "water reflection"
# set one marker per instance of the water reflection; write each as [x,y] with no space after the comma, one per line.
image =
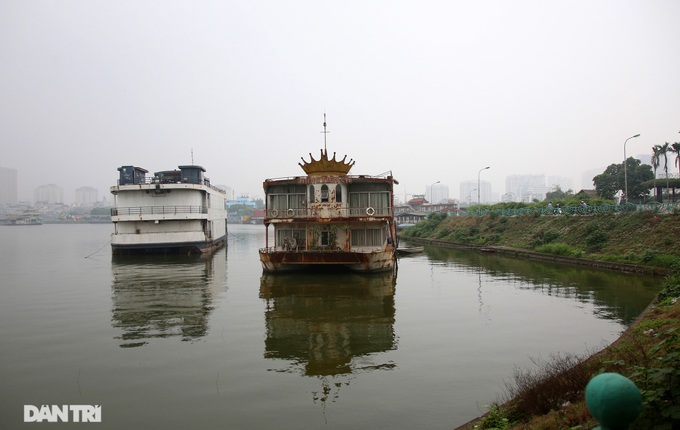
[164,296]
[329,326]
[617,296]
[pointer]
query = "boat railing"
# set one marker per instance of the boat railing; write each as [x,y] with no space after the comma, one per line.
[157,180]
[352,212]
[159,210]
[384,175]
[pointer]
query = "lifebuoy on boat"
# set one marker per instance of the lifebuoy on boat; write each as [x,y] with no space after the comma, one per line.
[274,213]
[291,212]
[370,211]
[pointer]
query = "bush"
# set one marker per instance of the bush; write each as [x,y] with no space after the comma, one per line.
[559,249]
[597,238]
[559,379]
[495,419]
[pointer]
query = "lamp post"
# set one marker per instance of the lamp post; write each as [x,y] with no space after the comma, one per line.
[478,184]
[625,170]
[470,195]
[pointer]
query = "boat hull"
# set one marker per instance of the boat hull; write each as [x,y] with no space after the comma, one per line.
[196,247]
[281,261]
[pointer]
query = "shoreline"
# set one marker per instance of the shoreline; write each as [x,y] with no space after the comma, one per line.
[533,255]
[525,253]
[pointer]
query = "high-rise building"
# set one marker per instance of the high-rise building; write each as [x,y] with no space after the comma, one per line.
[48,194]
[8,186]
[437,193]
[469,194]
[563,182]
[86,196]
[526,188]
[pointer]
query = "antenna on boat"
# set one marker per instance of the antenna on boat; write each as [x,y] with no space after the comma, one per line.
[192,156]
[324,132]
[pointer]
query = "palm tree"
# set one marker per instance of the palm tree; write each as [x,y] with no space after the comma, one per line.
[664,152]
[656,154]
[675,147]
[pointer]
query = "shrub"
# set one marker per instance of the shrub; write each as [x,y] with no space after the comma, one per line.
[559,379]
[647,255]
[559,249]
[495,419]
[597,238]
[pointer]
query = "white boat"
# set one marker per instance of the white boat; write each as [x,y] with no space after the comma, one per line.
[329,218]
[27,217]
[173,211]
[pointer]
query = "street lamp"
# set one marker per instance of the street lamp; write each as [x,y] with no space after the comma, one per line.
[470,195]
[625,170]
[478,183]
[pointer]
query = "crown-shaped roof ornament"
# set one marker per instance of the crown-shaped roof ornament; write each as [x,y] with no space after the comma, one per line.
[326,167]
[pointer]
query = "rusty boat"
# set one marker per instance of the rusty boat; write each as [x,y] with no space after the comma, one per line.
[329,219]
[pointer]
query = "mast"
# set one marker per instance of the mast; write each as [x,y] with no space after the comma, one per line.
[324,133]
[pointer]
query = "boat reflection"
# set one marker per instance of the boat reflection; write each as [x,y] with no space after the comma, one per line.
[323,325]
[164,296]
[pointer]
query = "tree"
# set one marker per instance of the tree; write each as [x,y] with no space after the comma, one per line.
[612,180]
[656,161]
[557,194]
[675,148]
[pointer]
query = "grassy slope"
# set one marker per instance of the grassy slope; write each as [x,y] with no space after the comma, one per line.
[636,238]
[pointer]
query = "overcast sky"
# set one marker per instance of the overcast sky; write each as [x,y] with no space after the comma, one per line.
[431,90]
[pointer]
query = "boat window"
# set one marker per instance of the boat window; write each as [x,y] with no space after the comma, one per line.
[359,202]
[338,193]
[311,194]
[297,234]
[324,193]
[282,202]
[296,201]
[368,237]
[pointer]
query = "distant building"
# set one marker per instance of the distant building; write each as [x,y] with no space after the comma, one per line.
[526,188]
[8,186]
[243,200]
[48,194]
[563,182]
[86,196]
[469,192]
[437,193]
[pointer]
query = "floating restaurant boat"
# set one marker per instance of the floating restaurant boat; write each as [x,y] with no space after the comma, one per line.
[27,217]
[329,218]
[173,211]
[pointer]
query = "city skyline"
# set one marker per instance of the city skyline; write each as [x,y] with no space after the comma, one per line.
[431,91]
[490,196]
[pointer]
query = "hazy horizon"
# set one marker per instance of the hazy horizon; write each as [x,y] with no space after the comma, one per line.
[431,90]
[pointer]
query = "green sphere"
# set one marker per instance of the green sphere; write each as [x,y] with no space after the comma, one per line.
[614,400]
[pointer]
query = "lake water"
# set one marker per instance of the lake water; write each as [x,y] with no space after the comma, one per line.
[210,343]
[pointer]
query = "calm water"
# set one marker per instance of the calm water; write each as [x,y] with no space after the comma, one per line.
[210,343]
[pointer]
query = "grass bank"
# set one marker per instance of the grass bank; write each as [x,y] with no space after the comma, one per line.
[552,396]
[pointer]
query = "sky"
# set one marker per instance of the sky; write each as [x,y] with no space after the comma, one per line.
[429,90]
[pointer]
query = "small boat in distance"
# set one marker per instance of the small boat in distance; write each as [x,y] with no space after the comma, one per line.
[408,250]
[175,211]
[329,219]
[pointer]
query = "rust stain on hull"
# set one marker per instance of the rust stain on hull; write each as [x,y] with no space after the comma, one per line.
[376,261]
